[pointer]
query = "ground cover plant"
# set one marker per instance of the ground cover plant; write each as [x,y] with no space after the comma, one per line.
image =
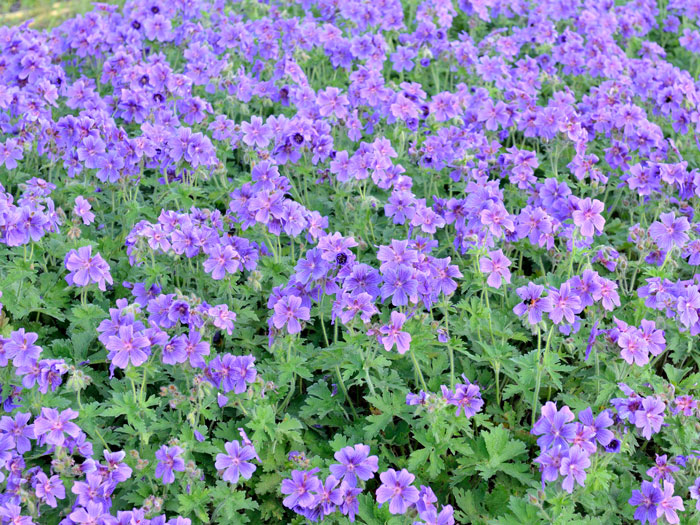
[421,262]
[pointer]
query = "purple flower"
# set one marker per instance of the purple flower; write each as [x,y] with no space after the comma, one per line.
[614,446]
[685,405]
[392,334]
[128,346]
[301,488]
[669,231]
[591,339]
[169,462]
[333,245]
[90,151]
[396,488]
[431,517]
[426,499]
[550,462]
[109,165]
[174,352]
[242,372]
[158,28]
[21,348]
[222,260]
[48,489]
[400,285]
[634,348]
[232,372]
[235,462]
[650,416]
[329,496]
[573,467]
[655,340]
[350,504]
[117,470]
[532,302]
[669,504]
[256,133]
[312,268]
[496,265]
[695,492]
[554,426]
[588,218]
[351,305]
[586,286]
[85,269]
[289,311]
[355,462]
[10,153]
[402,59]
[466,397]
[82,209]
[54,425]
[662,470]
[362,279]
[193,347]
[444,272]
[688,306]
[19,430]
[421,398]
[92,514]
[627,407]
[12,513]
[222,317]
[565,304]
[599,425]
[331,101]
[647,502]
[396,254]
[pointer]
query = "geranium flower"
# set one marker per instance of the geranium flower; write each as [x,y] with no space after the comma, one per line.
[236,462]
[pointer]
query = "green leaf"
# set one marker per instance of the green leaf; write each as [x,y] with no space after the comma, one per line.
[231,506]
[194,503]
[289,427]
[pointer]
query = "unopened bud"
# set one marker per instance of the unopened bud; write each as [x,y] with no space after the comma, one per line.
[78,380]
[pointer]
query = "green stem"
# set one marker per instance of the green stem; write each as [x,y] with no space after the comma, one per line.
[666,258]
[345,391]
[418,370]
[538,379]
[143,384]
[488,307]
[133,390]
[450,350]
[497,369]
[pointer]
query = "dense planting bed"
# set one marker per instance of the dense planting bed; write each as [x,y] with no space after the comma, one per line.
[420,263]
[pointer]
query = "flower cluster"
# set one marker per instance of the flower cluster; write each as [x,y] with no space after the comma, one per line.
[86,268]
[376,198]
[566,446]
[174,325]
[314,498]
[189,234]
[34,215]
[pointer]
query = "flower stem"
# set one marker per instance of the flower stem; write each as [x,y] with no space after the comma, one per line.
[485,294]
[345,390]
[538,379]
[418,370]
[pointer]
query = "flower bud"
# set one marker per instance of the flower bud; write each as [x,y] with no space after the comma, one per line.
[78,380]
[255,280]
[74,232]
